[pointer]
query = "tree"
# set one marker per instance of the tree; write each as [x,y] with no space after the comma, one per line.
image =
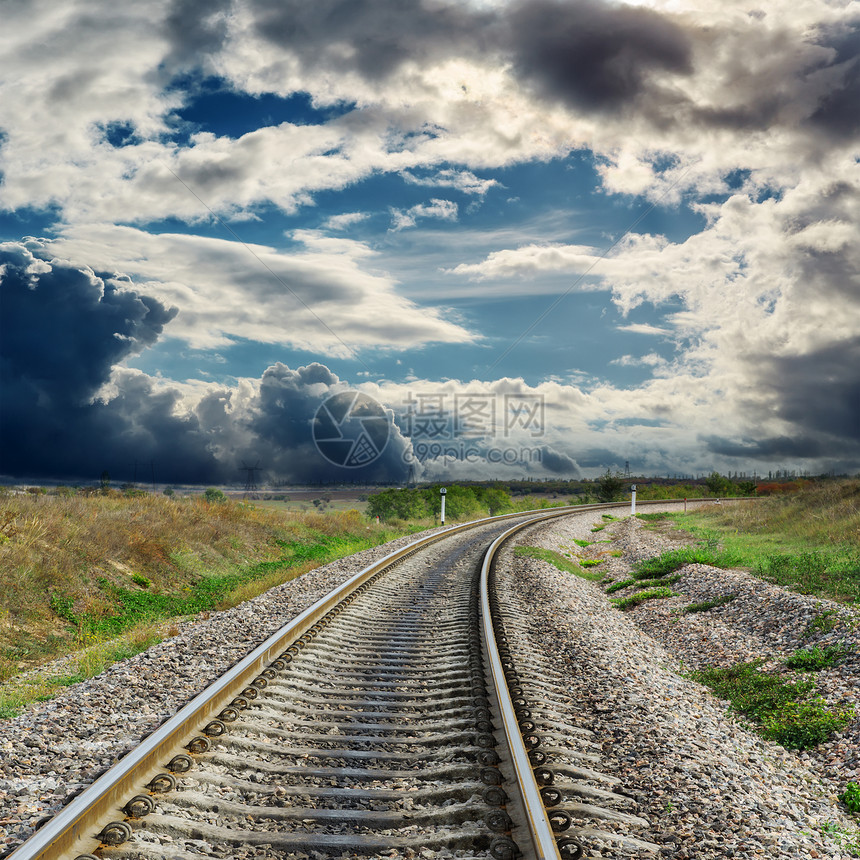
[718,485]
[214,495]
[610,487]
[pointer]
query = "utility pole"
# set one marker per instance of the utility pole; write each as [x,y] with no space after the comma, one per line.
[250,478]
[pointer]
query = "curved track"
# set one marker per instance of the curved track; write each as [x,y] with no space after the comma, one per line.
[368,726]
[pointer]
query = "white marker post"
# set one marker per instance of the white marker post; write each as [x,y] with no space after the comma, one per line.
[633,500]
[442,492]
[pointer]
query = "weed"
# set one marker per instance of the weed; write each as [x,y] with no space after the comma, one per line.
[616,553]
[590,562]
[641,596]
[640,584]
[599,528]
[63,605]
[783,709]
[851,796]
[751,691]
[849,841]
[824,622]
[620,584]
[141,580]
[609,517]
[582,543]
[557,560]
[705,605]
[804,724]
[817,657]
[670,561]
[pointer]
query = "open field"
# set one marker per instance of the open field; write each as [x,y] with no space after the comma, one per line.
[79,571]
[808,541]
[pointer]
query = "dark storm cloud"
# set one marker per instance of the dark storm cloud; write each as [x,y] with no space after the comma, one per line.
[768,449]
[196,28]
[282,420]
[588,54]
[592,55]
[64,328]
[596,57]
[819,393]
[383,33]
[839,111]
[560,464]
[69,411]
[62,331]
[817,78]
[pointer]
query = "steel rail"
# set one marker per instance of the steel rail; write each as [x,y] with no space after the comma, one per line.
[72,831]
[540,830]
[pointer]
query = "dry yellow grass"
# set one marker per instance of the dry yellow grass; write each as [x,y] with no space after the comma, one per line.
[823,513]
[66,557]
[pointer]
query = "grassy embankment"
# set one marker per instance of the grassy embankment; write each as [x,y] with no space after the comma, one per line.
[808,541]
[103,577]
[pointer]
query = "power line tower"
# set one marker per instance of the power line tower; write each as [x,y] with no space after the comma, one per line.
[250,479]
[626,468]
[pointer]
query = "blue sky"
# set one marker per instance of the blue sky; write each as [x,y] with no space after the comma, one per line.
[215,215]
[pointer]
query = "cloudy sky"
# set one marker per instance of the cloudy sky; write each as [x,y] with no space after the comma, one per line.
[547,237]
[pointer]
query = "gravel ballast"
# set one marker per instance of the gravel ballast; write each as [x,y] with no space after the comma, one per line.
[708,786]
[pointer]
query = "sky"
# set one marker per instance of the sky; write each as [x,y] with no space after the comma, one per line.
[382,240]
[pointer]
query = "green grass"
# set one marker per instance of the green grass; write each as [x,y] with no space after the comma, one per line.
[642,583]
[557,560]
[582,543]
[824,622]
[132,606]
[808,541]
[668,562]
[619,585]
[640,597]
[599,528]
[17,694]
[783,710]
[662,515]
[851,797]
[705,605]
[817,657]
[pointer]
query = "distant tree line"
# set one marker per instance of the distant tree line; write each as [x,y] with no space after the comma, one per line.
[424,503]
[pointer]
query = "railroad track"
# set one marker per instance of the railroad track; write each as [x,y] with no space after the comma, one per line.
[401,714]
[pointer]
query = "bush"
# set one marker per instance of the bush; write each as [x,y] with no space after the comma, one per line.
[783,708]
[610,488]
[800,725]
[213,495]
[851,796]
[815,658]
